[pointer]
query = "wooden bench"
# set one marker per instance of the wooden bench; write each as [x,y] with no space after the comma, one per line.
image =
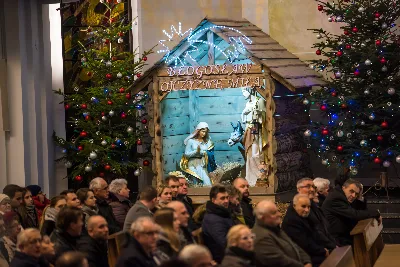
[340,257]
[115,243]
[390,256]
[368,242]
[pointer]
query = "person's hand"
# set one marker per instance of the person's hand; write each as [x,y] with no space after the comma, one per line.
[41,198]
[326,252]
[308,265]
[198,149]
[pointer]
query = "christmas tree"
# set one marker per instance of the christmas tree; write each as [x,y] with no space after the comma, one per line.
[360,103]
[106,119]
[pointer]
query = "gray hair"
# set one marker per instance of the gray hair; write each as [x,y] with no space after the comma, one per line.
[302,180]
[117,185]
[262,208]
[190,254]
[137,226]
[95,183]
[298,196]
[352,181]
[22,238]
[321,183]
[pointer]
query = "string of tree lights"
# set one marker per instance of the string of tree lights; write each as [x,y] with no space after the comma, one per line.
[107,120]
[361,101]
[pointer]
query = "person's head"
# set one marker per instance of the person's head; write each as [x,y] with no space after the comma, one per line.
[27,197]
[219,195]
[242,185]
[306,186]
[70,220]
[12,225]
[29,242]
[71,198]
[168,220]
[148,196]
[183,186]
[234,195]
[5,203]
[181,212]
[145,231]
[120,187]
[267,213]
[196,256]
[14,192]
[322,185]
[99,187]
[86,197]
[72,259]
[173,183]
[35,189]
[47,248]
[97,227]
[241,236]
[352,189]
[2,227]
[58,202]
[164,194]
[202,134]
[302,205]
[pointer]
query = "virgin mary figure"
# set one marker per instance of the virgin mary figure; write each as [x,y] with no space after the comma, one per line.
[198,160]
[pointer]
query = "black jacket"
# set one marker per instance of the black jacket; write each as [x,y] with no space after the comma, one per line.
[47,227]
[237,257]
[97,251]
[321,199]
[302,231]
[106,211]
[187,201]
[63,242]
[247,209]
[216,224]
[321,226]
[342,217]
[23,260]
[133,255]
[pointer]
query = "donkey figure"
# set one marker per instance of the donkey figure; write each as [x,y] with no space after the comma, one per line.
[236,135]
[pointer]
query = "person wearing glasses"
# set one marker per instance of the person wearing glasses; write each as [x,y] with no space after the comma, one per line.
[341,215]
[100,189]
[240,251]
[142,244]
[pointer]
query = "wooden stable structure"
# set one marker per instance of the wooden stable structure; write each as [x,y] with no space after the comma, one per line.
[277,75]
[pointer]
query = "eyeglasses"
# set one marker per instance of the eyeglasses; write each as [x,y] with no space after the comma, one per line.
[151,233]
[248,237]
[105,188]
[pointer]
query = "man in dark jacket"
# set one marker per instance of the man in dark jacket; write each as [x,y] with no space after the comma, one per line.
[101,192]
[272,246]
[95,243]
[187,201]
[119,197]
[183,217]
[217,221]
[340,214]
[298,226]
[242,185]
[142,243]
[68,230]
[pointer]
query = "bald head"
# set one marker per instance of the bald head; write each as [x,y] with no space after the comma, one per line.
[97,227]
[242,185]
[180,210]
[267,213]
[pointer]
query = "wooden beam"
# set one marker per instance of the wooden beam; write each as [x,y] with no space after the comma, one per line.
[277,63]
[211,54]
[157,156]
[136,88]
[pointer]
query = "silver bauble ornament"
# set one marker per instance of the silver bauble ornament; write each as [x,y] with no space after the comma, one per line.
[306,102]
[92,155]
[330,19]
[384,69]
[362,123]
[338,74]
[398,159]
[384,25]
[339,19]
[137,172]
[68,164]
[319,36]
[393,136]
[361,9]
[340,133]
[307,133]
[88,168]
[368,62]
[111,113]
[349,135]
[119,75]
[104,118]
[363,45]
[119,1]
[129,129]
[391,91]
[366,92]
[354,171]
[102,1]
[386,164]
[363,142]
[108,64]
[324,162]
[372,117]
[120,40]
[104,143]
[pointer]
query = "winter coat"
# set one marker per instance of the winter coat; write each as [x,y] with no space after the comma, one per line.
[106,211]
[216,224]
[321,226]
[29,217]
[237,257]
[138,210]
[40,206]
[89,211]
[63,242]
[343,217]
[187,201]
[133,254]
[274,248]
[120,207]
[164,245]
[24,260]
[96,251]
[303,232]
[247,209]
[49,224]
[8,248]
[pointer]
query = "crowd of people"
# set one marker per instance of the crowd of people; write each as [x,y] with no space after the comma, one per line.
[162,228]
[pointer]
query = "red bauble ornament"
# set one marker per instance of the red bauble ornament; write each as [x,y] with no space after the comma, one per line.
[109,76]
[138,75]
[343,106]
[379,138]
[377,15]
[109,1]
[113,145]
[107,167]
[356,72]
[378,42]
[121,34]
[318,52]
[384,124]
[333,94]
[128,96]
[103,114]
[144,58]
[383,60]
[320,7]
[109,102]
[325,132]
[101,174]
[139,142]
[80,148]
[121,90]
[78,178]
[144,121]
[67,106]
[83,106]
[112,20]
[339,148]
[377,160]
[146,162]
[83,134]
[346,32]
[87,117]
[355,29]
[339,53]
[89,73]
[107,41]
[89,29]
[114,58]
[348,46]
[123,115]
[323,107]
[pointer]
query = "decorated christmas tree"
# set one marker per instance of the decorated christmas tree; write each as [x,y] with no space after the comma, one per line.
[360,103]
[106,121]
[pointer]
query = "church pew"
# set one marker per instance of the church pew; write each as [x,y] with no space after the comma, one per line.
[340,257]
[115,243]
[390,256]
[368,242]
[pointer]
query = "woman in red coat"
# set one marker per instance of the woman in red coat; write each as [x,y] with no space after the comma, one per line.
[39,199]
